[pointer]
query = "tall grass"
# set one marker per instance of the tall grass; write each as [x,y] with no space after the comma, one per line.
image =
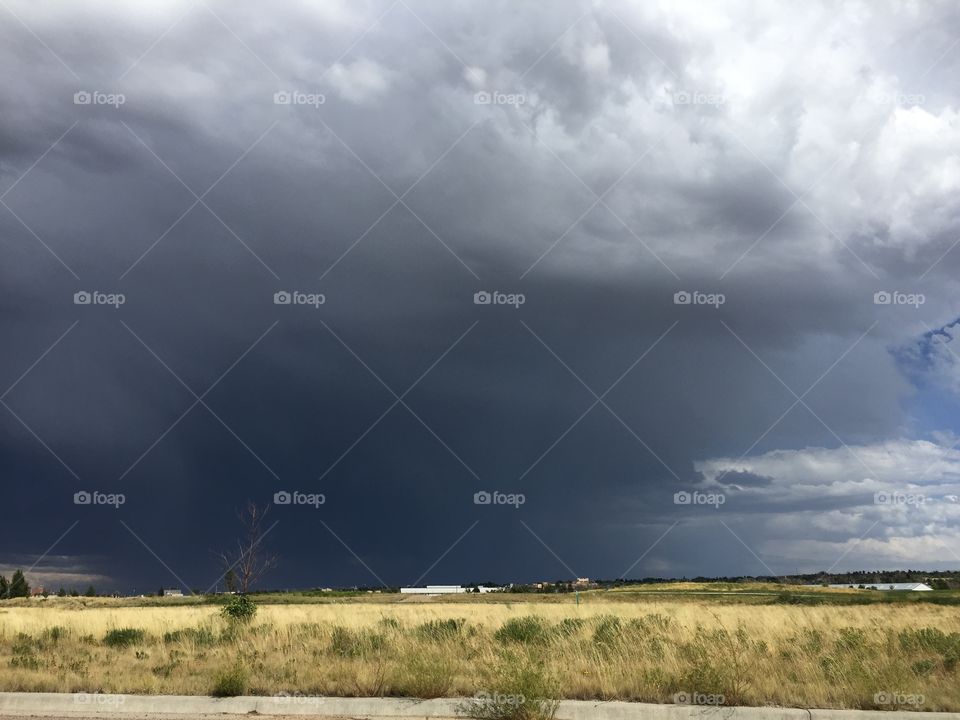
[495,654]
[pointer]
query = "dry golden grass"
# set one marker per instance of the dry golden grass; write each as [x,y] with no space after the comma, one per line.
[804,656]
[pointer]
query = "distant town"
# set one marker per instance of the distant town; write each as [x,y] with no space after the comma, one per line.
[881,580]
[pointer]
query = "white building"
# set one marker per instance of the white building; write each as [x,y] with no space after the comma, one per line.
[447,590]
[434,590]
[885,586]
[172,592]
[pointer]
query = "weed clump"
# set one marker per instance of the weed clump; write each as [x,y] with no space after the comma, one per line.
[520,688]
[608,630]
[528,630]
[230,682]
[123,637]
[347,643]
[439,630]
[202,636]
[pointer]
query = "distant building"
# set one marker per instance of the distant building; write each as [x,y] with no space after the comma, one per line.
[923,587]
[172,592]
[581,582]
[37,591]
[449,589]
[434,590]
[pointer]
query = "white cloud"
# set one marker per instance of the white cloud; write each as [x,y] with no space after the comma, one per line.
[900,497]
[361,81]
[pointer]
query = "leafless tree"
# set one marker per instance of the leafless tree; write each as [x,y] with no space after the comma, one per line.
[250,561]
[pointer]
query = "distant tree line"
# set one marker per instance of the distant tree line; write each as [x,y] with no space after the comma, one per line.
[18,587]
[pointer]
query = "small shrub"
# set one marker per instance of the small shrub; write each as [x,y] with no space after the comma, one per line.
[811,641]
[519,689]
[165,670]
[851,638]
[311,630]
[27,662]
[24,656]
[55,633]
[202,636]
[79,667]
[344,642]
[922,668]
[950,659]
[568,626]
[240,608]
[529,630]
[230,682]
[348,643]
[654,622]
[438,630]
[427,674]
[123,637]
[607,630]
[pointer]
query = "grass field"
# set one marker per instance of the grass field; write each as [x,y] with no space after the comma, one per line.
[749,648]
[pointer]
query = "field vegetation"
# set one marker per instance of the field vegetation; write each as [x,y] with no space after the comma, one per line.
[636,646]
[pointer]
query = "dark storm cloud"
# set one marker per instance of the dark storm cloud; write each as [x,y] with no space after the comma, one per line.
[640,161]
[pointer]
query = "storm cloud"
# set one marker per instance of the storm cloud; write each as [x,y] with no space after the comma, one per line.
[400,253]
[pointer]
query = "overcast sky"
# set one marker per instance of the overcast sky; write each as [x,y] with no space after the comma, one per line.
[719,243]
